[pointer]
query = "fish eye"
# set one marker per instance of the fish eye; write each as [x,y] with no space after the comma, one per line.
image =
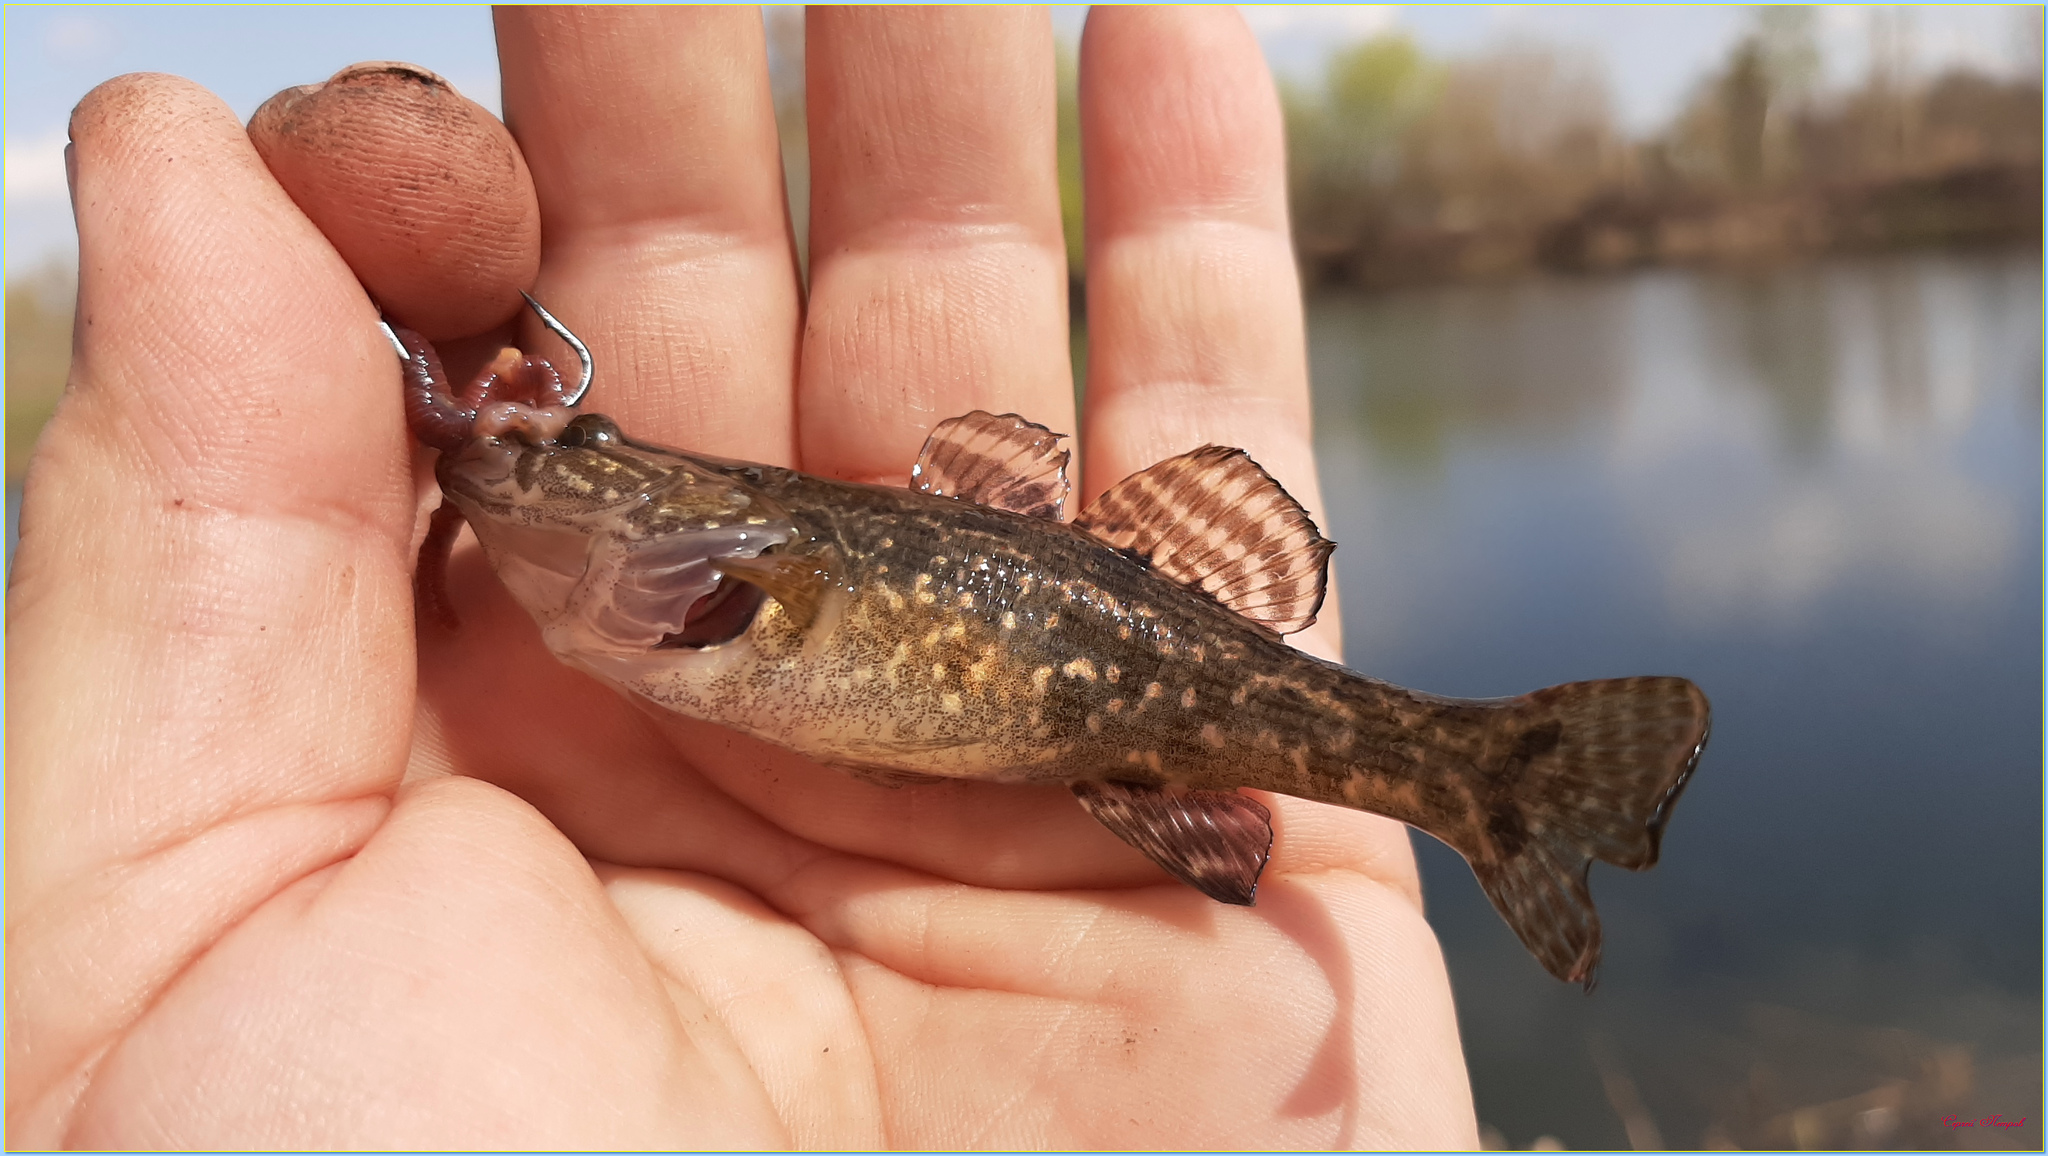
[588,429]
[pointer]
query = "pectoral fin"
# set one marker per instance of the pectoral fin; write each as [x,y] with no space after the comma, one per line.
[797,581]
[1214,841]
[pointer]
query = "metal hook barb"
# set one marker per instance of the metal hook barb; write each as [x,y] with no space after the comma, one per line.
[560,330]
[390,335]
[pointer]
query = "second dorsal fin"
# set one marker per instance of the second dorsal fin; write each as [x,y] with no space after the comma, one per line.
[997,460]
[1214,520]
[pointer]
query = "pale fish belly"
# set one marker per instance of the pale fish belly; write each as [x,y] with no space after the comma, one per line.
[859,688]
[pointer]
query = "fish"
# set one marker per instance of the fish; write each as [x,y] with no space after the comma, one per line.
[964,628]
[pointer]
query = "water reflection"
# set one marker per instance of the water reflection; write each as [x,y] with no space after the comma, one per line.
[1816,491]
[1417,373]
[1850,468]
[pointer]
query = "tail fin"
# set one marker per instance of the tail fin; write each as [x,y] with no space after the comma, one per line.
[1583,771]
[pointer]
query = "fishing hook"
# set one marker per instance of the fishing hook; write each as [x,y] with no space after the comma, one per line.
[390,335]
[553,326]
[582,352]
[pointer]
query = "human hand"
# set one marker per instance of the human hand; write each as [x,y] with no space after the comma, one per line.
[284,872]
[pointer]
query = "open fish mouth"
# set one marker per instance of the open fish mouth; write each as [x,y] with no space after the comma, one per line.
[671,594]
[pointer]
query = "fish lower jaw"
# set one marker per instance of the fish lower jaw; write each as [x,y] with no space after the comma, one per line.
[511,419]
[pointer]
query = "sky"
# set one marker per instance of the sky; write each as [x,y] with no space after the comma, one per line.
[1653,58]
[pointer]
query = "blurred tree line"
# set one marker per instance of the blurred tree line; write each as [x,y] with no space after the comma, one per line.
[39,308]
[1406,168]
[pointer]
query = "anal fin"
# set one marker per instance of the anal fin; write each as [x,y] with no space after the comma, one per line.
[1214,841]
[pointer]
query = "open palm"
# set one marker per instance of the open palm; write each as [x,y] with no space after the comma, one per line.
[284,871]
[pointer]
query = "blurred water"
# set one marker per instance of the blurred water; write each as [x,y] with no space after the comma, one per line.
[1816,492]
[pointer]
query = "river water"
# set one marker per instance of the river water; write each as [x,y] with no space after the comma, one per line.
[1817,493]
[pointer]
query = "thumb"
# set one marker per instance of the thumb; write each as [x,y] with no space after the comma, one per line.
[210,652]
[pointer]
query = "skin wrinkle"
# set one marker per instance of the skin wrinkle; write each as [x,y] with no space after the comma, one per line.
[1186,138]
[673,375]
[783,893]
[956,327]
[678,237]
[44,1114]
[211,443]
[1406,885]
[736,1003]
[993,229]
[118,875]
[651,92]
[1228,192]
[1061,956]
[777,888]
[151,666]
[506,1063]
[680,994]
[928,910]
[1203,341]
[1064,1013]
[918,151]
[1262,430]
[110,881]
[324,515]
[800,855]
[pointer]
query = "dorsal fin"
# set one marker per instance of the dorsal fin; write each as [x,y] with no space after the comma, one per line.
[997,460]
[1214,520]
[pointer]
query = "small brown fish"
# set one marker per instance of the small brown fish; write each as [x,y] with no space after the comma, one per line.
[961,629]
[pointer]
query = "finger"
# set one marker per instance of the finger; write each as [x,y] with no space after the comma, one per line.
[421,191]
[938,270]
[1194,306]
[651,135]
[1194,311]
[209,614]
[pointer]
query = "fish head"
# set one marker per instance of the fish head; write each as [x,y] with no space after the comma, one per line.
[615,547]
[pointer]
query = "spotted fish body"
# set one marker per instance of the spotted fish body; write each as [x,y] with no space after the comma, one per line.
[961,629]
